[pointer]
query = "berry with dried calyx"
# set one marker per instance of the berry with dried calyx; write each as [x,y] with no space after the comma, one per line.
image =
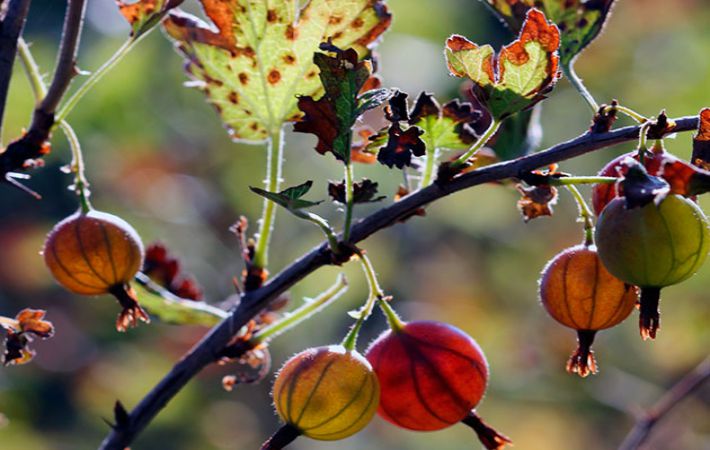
[580,293]
[431,376]
[653,246]
[94,253]
[603,193]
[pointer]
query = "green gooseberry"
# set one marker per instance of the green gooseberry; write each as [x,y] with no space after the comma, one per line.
[653,246]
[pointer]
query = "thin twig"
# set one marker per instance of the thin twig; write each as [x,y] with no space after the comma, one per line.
[644,425]
[10,30]
[31,145]
[208,349]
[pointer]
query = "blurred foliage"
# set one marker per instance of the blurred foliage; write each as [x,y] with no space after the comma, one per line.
[158,157]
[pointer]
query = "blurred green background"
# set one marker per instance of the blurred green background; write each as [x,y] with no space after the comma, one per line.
[158,157]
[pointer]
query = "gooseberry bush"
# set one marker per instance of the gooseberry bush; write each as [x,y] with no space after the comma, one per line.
[311,67]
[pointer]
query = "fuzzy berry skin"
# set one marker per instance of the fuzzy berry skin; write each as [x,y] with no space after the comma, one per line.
[653,246]
[431,375]
[580,293]
[326,393]
[603,193]
[92,253]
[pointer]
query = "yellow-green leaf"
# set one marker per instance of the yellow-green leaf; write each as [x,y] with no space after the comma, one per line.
[580,21]
[519,76]
[260,58]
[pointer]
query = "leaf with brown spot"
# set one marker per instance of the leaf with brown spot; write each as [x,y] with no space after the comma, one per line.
[20,331]
[360,151]
[517,78]
[363,191]
[536,201]
[579,21]
[263,50]
[142,15]
[401,146]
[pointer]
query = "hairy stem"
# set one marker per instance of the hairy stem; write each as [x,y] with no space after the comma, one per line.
[303,312]
[585,214]
[375,293]
[432,154]
[578,84]
[252,303]
[566,181]
[485,137]
[274,162]
[322,224]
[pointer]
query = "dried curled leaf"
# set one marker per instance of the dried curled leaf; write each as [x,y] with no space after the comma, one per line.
[364,191]
[579,21]
[517,78]
[331,118]
[161,266]
[261,55]
[683,178]
[536,201]
[142,15]
[639,188]
[701,141]
[289,198]
[20,331]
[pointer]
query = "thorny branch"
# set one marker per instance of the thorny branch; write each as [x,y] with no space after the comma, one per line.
[208,350]
[644,425]
[32,144]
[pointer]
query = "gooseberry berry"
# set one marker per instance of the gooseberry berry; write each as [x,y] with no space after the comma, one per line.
[431,375]
[652,246]
[326,393]
[603,193]
[94,253]
[580,293]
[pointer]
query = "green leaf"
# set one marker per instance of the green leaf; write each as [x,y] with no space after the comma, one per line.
[446,127]
[519,135]
[260,58]
[519,77]
[176,311]
[142,15]
[579,21]
[289,198]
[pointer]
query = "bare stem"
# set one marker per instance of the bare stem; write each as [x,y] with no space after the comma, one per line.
[683,388]
[252,303]
[485,137]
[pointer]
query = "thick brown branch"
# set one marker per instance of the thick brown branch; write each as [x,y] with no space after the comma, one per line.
[209,348]
[32,144]
[644,425]
[11,27]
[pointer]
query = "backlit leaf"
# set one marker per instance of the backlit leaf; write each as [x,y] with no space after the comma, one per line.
[519,76]
[447,127]
[142,15]
[258,57]
[579,21]
[20,331]
[332,117]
